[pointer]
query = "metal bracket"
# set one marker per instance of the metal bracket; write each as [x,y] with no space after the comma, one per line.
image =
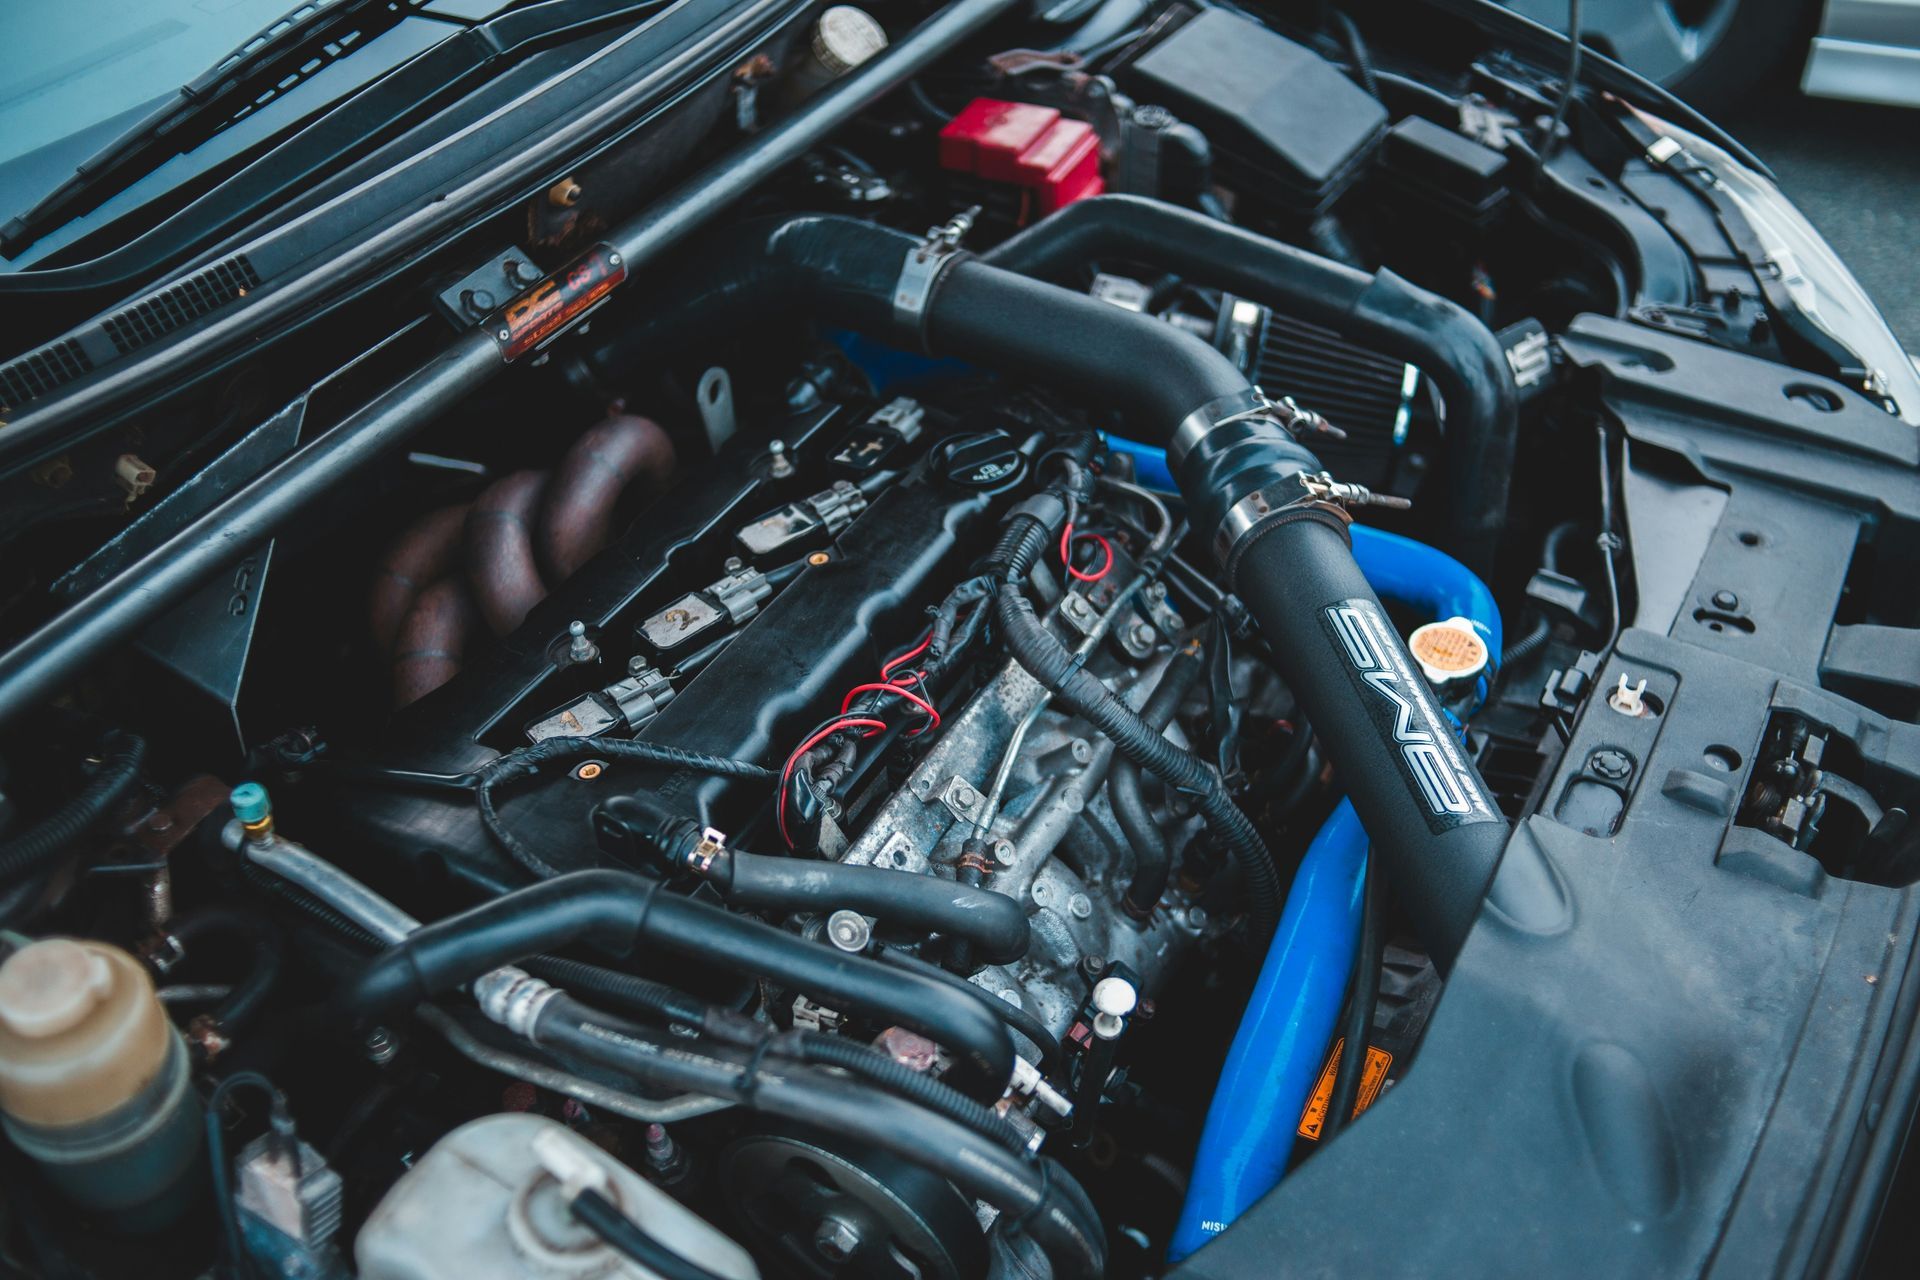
[962,798]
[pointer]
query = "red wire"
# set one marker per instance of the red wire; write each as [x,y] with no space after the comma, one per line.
[897,690]
[886,670]
[854,722]
[1066,555]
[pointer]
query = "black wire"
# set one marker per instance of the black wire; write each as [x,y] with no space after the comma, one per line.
[1526,646]
[239,1262]
[525,762]
[1551,143]
[1361,1003]
[1608,541]
[1357,52]
[624,1236]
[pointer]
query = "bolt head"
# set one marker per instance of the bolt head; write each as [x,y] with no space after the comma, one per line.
[1080,906]
[1003,852]
[1610,764]
[1725,600]
[836,1239]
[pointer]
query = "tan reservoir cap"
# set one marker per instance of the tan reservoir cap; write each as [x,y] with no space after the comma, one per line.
[846,37]
[1450,650]
[81,1031]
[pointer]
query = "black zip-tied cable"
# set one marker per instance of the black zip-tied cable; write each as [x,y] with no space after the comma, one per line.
[1056,668]
[526,762]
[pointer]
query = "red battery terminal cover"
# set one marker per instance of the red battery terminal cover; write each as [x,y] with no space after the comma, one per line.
[1027,145]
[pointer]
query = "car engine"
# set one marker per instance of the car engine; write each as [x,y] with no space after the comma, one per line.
[997,646]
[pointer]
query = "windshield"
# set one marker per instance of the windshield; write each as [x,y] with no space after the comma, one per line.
[73,66]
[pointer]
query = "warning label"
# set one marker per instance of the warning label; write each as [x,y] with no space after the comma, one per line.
[1373,1075]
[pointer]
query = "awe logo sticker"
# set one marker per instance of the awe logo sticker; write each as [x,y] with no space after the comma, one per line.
[1399,707]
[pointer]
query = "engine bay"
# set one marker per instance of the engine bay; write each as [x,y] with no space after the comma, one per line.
[1142,623]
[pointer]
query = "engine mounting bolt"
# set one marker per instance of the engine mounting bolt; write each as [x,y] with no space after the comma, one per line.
[1080,906]
[1092,965]
[1141,634]
[1610,764]
[836,1239]
[1725,600]
[1003,852]
[780,466]
[849,930]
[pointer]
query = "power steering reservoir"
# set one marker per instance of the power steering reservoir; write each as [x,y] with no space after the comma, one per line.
[94,1081]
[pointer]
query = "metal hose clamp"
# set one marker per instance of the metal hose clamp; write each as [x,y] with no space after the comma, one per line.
[1251,405]
[1305,493]
[921,271]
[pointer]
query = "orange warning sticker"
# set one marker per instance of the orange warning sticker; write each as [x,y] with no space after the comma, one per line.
[1373,1075]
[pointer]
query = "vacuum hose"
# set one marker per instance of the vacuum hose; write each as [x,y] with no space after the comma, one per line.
[1277,526]
[618,912]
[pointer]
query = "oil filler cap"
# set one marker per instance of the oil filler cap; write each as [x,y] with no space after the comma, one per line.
[988,461]
[1449,651]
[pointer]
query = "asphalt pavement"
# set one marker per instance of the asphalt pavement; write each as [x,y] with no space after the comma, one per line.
[1854,170]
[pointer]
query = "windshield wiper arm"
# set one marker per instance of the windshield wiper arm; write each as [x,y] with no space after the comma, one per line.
[326,29]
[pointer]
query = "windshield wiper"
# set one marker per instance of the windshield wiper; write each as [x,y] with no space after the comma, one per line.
[298,43]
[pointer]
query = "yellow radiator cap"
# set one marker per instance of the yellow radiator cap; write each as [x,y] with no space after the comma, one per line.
[1449,651]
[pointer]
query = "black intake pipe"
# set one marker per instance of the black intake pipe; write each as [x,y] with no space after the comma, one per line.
[1251,488]
[617,912]
[1381,311]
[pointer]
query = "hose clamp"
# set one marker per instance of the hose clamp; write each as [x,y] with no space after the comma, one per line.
[922,270]
[1251,405]
[706,851]
[1302,493]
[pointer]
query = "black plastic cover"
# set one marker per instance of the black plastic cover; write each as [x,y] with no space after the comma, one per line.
[1277,113]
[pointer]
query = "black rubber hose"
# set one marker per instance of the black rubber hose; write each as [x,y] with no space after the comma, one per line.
[1039,1197]
[1052,1057]
[993,922]
[1426,811]
[616,912]
[1363,1000]
[868,1063]
[1152,859]
[841,271]
[1381,311]
[1060,340]
[1052,664]
[625,1237]
[643,823]
[265,952]
[628,993]
[121,755]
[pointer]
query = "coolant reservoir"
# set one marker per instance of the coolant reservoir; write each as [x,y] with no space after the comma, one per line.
[486,1204]
[94,1081]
